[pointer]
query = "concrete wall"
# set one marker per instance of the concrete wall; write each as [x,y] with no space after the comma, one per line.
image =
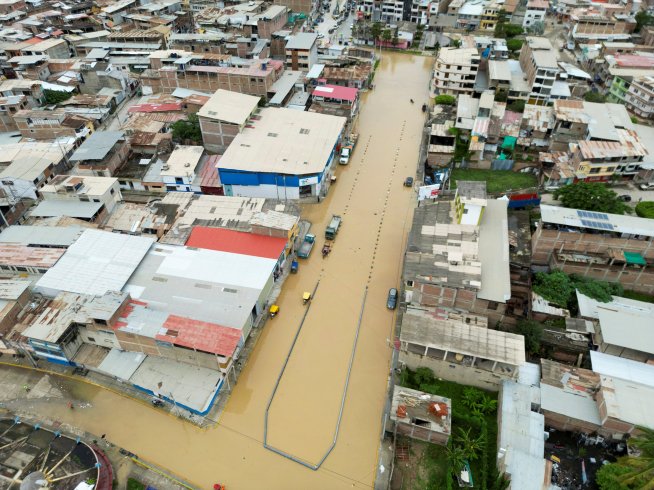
[217,135]
[457,373]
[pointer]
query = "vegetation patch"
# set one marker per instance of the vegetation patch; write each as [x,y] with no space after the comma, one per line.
[133,484]
[559,288]
[496,180]
[645,209]
[474,432]
[445,99]
[591,196]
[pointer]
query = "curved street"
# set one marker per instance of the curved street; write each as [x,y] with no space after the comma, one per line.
[368,250]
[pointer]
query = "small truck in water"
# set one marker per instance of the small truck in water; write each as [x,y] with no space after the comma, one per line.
[348,148]
[306,246]
[332,228]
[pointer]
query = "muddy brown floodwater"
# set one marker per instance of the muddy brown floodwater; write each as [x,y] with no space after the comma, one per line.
[368,250]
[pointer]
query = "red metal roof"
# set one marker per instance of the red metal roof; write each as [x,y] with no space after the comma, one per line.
[336,92]
[169,106]
[204,336]
[238,242]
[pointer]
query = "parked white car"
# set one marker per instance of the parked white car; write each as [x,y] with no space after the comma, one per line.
[647,187]
[345,156]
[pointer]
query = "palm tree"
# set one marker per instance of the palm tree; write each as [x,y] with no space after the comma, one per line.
[641,468]
[470,445]
[457,458]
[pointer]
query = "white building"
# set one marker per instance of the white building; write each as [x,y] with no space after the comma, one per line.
[29,166]
[536,11]
[456,70]
[180,170]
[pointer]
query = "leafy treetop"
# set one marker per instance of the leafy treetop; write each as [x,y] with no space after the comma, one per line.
[591,196]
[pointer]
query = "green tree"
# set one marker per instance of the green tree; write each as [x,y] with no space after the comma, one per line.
[445,100]
[590,196]
[645,209]
[643,19]
[633,472]
[532,331]
[376,31]
[598,290]
[387,35]
[514,45]
[555,287]
[607,477]
[592,96]
[188,129]
[500,23]
[395,40]
[470,445]
[457,458]
[455,43]
[517,106]
[56,96]
[501,96]
[512,30]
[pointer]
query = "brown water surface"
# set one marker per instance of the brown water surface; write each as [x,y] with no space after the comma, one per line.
[376,211]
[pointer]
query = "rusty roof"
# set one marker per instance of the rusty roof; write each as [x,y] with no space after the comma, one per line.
[570,110]
[23,256]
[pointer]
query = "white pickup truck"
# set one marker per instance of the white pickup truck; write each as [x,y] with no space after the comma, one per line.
[345,155]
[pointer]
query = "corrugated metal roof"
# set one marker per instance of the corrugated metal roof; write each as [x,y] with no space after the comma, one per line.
[99,261]
[204,336]
[224,240]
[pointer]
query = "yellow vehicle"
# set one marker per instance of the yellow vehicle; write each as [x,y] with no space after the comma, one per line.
[274,309]
[306,297]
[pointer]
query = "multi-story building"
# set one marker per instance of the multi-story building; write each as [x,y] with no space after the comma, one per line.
[458,254]
[539,62]
[603,246]
[52,48]
[598,161]
[420,11]
[8,107]
[32,89]
[47,125]
[469,15]
[94,197]
[489,15]
[391,11]
[302,51]
[182,167]
[210,72]
[282,154]
[455,71]
[619,71]
[101,154]
[223,116]
[536,10]
[460,348]
[300,6]
[199,43]
[589,25]
[640,97]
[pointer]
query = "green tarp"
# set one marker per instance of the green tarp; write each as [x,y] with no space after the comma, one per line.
[634,258]
[509,142]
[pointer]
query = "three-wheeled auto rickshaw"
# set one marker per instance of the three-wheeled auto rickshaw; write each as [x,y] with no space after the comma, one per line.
[306,297]
[273,310]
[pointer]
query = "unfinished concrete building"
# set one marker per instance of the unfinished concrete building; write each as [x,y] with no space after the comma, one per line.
[420,415]
[460,348]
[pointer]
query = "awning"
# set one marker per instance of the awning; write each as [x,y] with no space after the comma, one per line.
[634,258]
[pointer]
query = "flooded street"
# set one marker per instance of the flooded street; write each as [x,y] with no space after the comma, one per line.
[367,253]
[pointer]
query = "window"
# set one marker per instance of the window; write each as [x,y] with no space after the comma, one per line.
[112,191]
[566,124]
